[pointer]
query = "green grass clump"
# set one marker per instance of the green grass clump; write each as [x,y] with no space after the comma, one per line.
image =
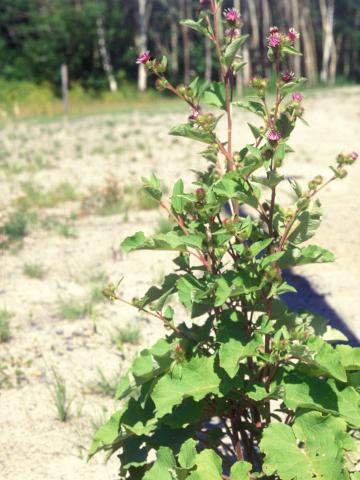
[15,227]
[105,385]
[34,270]
[59,394]
[5,333]
[129,334]
[74,309]
[35,197]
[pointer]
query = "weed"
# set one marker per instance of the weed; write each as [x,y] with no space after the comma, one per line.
[128,334]
[15,228]
[105,385]
[74,309]
[33,196]
[67,230]
[5,334]
[59,394]
[34,270]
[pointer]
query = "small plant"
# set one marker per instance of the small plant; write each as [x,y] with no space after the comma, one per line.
[5,333]
[14,229]
[129,334]
[59,394]
[33,196]
[34,270]
[245,388]
[74,309]
[105,385]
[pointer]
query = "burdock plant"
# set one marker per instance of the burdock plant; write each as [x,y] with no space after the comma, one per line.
[240,387]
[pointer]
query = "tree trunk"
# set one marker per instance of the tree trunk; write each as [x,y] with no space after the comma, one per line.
[174,41]
[104,54]
[296,25]
[309,43]
[142,44]
[327,17]
[255,34]
[186,41]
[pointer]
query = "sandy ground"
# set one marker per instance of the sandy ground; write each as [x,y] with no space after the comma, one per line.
[34,444]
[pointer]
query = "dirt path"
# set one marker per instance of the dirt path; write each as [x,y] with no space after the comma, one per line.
[79,251]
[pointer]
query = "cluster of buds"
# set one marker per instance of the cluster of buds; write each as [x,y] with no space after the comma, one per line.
[152,65]
[161,84]
[186,92]
[315,183]
[259,84]
[277,39]
[344,159]
[207,121]
[347,159]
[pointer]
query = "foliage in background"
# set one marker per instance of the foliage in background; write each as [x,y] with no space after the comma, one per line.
[243,388]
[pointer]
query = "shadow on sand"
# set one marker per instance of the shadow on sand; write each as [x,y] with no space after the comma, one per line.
[309,299]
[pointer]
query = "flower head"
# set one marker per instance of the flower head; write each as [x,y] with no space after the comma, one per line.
[293,35]
[143,58]
[205,4]
[274,30]
[354,156]
[232,15]
[273,135]
[297,97]
[232,33]
[287,77]
[195,112]
[274,40]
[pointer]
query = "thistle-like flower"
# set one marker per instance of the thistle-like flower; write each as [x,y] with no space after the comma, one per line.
[232,15]
[287,77]
[232,33]
[297,97]
[274,39]
[143,58]
[274,30]
[354,156]
[273,135]
[293,35]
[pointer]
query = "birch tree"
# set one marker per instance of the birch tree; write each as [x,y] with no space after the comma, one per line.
[327,9]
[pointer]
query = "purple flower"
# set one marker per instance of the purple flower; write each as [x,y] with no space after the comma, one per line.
[297,97]
[232,33]
[232,15]
[205,4]
[195,112]
[287,77]
[143,58]
[274,30]
[293,35]
[274,40]
[273,135]
[354,156]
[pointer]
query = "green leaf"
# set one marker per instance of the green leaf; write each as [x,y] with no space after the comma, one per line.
[163,241]
[279,154]
[295,256]
[254,151]
[290,50]
[272,180]
[255,131]
[187,130]
[321,457]
[200,26]
[253,106]
[199,86]
[232,50]
[349,356]
[259,246]
[152,186]
[161,470]
[306,225]
[187,454]
[215,95]
[198,380]
[240,471]
[327,358]
[107,434]
[235,345]
[208,466]
[178,202]
[292,86]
